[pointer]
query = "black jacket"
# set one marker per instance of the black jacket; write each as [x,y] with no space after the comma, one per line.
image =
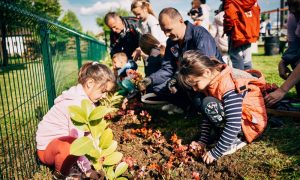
[126,41]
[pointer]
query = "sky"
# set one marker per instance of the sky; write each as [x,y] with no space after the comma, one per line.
[88,10]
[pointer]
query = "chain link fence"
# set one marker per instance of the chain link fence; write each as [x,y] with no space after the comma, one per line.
[39,58]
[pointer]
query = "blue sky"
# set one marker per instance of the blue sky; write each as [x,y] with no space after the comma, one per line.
[88,10]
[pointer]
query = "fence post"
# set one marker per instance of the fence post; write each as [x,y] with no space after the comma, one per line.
[4,48]
[48,66]
[79,58]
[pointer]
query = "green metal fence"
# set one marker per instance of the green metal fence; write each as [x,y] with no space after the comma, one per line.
[39,59]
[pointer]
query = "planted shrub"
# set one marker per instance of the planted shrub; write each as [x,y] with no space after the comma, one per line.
[99,146]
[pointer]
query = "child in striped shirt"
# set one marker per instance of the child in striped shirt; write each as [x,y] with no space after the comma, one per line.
[233,105]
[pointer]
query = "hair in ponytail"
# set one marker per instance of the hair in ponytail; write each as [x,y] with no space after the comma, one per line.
[142,4]
[148,42]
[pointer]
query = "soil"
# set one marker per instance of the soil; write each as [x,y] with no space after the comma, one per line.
[152,154]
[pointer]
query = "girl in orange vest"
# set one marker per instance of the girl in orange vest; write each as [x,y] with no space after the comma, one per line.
[233,105]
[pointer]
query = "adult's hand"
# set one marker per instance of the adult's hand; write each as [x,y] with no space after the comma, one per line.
[274,97]
[283,70]
[144,84]
[171,85]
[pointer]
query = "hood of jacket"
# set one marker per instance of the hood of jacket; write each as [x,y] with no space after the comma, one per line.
[74,93]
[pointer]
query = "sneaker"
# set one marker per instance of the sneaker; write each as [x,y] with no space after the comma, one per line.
[170,112]
[168,107]
[234,147]
[178,110]
[58,176]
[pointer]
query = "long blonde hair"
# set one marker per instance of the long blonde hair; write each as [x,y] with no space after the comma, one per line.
[142,4]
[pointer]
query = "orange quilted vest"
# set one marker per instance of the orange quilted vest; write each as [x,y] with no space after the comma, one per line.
[241,21]
[254,115]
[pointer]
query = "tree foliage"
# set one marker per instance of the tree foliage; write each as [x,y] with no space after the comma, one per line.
[50,8]
[71,19]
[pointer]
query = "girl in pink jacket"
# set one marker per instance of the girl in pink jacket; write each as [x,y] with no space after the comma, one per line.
[56,131]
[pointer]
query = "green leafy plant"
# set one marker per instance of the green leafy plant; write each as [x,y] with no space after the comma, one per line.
[99,146]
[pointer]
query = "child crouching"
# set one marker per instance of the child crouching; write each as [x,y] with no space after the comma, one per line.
[56,131]
[234,104]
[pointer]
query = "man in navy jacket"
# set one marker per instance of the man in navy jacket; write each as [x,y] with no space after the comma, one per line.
[183,36]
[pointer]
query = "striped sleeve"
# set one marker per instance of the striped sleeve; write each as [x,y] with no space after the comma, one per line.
[233,115]
[205,130]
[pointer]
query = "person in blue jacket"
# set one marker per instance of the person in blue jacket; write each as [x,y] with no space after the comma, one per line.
[183,36]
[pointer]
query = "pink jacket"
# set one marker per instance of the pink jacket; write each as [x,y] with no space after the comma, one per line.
[57,123]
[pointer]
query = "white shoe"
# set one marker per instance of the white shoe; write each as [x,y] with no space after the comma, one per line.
[170,112]
[167,107]
[234,147]
[178,110]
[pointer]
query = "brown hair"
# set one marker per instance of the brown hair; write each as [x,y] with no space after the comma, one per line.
[193,63]
[110,15]
[148,42]
[294,7]
[120,55]
[142,4]
[171,12]
[96,71]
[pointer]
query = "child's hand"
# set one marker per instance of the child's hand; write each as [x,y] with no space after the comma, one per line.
[124,103]
[136,54]
[208,158]
[197,148]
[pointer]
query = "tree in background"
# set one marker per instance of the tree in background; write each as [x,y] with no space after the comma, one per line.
[105,28]
[50,8]
[71,20]
[63,41]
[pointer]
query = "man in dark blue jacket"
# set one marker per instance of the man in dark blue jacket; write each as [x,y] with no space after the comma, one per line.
[124,35]
[183,36]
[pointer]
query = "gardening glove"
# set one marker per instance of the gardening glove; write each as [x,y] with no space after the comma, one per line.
[171,85]
[144,84]
[208,158]
[283,70]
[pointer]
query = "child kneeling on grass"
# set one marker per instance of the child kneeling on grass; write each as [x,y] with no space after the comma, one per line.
[233,105]
[56,131]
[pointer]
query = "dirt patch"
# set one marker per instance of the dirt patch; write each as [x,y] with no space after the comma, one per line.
[153,152]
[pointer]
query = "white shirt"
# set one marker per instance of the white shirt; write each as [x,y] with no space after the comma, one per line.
[263,26]
[205,17]
[151,25]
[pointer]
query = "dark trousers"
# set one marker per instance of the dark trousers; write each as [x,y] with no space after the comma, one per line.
[297,86]
[213,110]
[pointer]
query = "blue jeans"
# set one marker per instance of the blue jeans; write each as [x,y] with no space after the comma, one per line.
[241,57]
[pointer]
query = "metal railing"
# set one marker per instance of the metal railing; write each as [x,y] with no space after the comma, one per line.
[39,58]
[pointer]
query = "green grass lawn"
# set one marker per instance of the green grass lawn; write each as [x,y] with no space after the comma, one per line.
[276,155]
[269,66]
